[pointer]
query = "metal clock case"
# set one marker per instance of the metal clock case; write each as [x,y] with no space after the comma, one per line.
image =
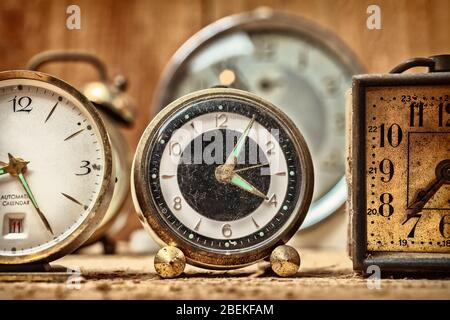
[285,59]
[399,163]
[231,212]
[50,205]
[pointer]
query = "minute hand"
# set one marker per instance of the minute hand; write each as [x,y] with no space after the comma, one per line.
[232,158]
[33,200]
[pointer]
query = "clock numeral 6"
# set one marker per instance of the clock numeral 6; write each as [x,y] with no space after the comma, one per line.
[23,104]
[444,226]
[226,231]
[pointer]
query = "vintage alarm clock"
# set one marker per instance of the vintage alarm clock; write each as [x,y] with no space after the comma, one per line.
[222,177]
[399,164]
[289,61]
[56,169]
[116,109]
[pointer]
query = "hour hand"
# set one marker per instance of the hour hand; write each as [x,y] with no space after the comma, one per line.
[240,182]
[424,195]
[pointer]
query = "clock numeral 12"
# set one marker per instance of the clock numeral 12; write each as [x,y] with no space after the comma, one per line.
[443,110]
[23,104]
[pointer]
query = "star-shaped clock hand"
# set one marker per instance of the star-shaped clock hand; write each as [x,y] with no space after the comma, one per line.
[17,167]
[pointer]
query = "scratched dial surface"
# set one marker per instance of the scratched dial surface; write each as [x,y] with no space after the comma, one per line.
[224,176]
[51,133]
[300,76]
[408,169]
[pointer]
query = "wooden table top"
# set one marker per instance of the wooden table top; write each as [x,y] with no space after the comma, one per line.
[324,274]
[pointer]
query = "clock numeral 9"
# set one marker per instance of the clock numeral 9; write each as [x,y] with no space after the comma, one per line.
[387,168]
[444,226]
[443,110]
[394,135]
[226,231]
[386,209]
[23,104]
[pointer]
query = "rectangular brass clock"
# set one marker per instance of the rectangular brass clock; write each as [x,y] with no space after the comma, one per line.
[399,172]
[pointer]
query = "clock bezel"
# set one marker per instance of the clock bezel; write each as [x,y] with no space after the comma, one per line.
[265,19]
[96,214]
[153,222]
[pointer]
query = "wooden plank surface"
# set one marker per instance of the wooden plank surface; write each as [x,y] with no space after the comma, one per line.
[324,274]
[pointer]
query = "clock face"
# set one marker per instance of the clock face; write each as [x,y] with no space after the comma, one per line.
[408,169]
[53,167]
[291,67]
[225,175]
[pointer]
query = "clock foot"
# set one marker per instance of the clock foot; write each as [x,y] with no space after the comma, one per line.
[169,262]
[285,261]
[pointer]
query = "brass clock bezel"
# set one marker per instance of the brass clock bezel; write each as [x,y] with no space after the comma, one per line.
[262,19]
[362,258]
[95,216]
[148,212]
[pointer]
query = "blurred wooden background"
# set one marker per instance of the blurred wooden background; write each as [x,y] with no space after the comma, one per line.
[137,37]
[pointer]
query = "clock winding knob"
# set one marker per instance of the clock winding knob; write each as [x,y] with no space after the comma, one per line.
[285,261]
[169,262]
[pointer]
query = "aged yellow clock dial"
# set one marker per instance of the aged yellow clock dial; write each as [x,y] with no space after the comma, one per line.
[408,169]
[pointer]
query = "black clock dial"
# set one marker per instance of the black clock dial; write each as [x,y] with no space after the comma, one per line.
[223,216]
[216,200]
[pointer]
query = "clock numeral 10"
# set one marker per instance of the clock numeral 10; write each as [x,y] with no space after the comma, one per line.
[393,135]
[23,104]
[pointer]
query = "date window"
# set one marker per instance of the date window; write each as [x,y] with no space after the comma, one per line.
[15,225]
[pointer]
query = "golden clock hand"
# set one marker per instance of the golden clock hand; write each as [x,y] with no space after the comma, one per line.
[240,182]
[33,200]
[232,158]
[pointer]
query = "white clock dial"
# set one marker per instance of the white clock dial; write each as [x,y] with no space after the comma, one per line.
[276,168]
[60,148]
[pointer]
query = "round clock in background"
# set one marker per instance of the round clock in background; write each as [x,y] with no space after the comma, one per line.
[296,65]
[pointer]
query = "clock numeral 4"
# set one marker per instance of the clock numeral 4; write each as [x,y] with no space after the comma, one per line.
[22,104]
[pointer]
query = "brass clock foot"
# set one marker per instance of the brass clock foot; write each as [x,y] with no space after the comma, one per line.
[285,261]
[169,262]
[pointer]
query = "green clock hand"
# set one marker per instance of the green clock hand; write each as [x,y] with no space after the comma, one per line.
[232,158]
[240,182]
[33,200]
[4,168]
